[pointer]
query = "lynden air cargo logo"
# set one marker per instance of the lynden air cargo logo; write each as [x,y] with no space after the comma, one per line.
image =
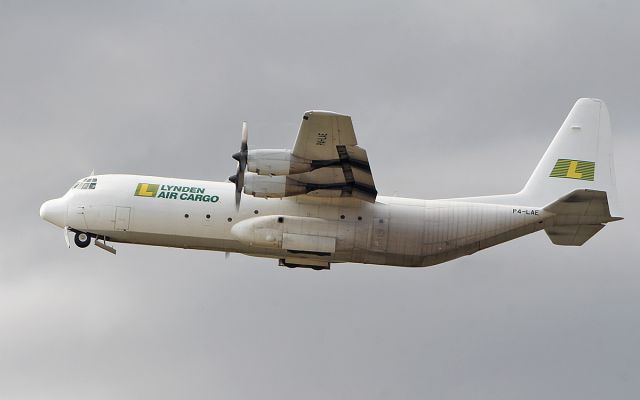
[174,192]
[574,169]
[147,189]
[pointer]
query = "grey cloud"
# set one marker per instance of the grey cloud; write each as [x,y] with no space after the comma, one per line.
[443,97]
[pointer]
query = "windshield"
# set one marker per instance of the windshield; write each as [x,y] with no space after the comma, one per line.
[86,183]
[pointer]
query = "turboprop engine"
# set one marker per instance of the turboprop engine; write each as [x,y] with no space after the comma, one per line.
[276,162]
[272,186]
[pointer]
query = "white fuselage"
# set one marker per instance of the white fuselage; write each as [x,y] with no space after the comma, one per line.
[201,215]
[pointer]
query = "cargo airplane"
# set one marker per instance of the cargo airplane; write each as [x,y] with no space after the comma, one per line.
[316,204]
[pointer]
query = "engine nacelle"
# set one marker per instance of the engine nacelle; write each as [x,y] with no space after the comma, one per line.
[272,186]
[276,162]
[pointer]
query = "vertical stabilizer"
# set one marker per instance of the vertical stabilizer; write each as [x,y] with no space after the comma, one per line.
[579,157]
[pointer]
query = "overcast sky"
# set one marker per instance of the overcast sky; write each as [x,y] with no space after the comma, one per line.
[443,95]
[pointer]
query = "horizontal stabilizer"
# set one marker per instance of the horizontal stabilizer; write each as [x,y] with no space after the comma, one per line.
[582,206]
[578,216]
[572,235]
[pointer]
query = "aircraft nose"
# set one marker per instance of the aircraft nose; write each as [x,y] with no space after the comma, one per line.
[54,211]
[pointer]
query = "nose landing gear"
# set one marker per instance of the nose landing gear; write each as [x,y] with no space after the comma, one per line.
[82,239]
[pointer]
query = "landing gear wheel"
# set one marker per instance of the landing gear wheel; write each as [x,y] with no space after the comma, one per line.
[82,240]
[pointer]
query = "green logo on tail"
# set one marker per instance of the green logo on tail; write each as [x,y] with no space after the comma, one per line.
[574,169]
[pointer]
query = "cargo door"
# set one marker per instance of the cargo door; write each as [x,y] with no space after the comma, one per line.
[122,218]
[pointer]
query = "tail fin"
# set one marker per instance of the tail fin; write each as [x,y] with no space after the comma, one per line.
[579,157]
[574,183]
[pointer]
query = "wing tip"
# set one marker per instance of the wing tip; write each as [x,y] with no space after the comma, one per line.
[324,112]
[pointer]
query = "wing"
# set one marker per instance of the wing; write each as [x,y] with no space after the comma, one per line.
[340,167]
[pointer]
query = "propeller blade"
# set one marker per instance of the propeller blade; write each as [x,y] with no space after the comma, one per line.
[238,197]
[245,138]
[241,157]
[66,236]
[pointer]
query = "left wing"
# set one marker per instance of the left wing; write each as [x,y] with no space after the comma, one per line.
[340,168]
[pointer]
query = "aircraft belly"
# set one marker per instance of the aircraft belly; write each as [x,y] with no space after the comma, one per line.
[178,241]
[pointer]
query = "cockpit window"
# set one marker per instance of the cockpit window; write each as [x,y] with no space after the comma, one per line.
[86,183]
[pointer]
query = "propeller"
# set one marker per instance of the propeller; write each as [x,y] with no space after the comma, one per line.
[66,236]
[241,157]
